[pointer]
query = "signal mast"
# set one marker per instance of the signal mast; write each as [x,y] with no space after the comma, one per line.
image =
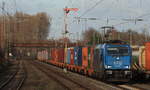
[66,12]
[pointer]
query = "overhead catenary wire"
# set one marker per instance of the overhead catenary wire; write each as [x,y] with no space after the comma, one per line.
[99,2]
[88,10]
[136,19]
[109,8]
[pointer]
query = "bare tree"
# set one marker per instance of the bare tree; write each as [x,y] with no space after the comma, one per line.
[91,36]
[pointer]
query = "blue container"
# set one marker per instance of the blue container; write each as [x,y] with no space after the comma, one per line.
[78,56]
[68,56]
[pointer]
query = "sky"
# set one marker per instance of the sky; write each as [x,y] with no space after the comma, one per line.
[108,13]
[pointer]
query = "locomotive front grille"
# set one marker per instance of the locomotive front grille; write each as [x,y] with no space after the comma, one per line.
[118,74]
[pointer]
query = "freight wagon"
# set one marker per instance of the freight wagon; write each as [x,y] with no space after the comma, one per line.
[43,55]
[144,60]
[105,61]
[78,59]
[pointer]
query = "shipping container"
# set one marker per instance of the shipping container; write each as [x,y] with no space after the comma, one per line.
[56,54]
[53,54]
[49,54]
[38,56]
[46,54]
[72,56]
[147,54]
[142,57]
[41,55]
[90,57]
[68,55]
[78,56]
[61,54]
[85,57]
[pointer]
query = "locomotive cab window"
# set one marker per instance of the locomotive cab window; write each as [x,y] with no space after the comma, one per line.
[117,51]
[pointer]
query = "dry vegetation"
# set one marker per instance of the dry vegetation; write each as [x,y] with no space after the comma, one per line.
[23,28]
[92,36]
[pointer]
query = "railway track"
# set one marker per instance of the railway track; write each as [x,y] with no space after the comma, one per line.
[24,76]
[136,86]
[62,80]
[15,80]
[10,75]
[127,85]
[73,82]
[99,85]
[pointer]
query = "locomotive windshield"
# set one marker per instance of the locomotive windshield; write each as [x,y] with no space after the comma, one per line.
[117,51]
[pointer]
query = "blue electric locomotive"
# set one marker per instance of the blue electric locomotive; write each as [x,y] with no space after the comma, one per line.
[113,61]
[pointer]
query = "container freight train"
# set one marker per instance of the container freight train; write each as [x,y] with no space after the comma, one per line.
[142,63]
[109,61]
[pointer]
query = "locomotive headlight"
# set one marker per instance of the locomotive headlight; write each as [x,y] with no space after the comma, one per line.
[108,66]
[127,67]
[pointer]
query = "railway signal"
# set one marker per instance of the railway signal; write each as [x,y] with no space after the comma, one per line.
[66,12]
